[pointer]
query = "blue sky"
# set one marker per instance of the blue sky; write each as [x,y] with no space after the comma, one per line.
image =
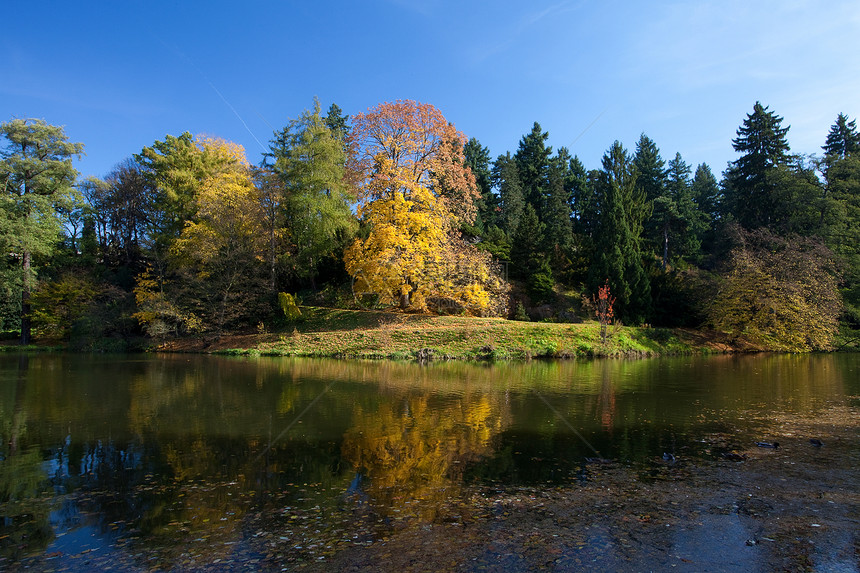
[120,75]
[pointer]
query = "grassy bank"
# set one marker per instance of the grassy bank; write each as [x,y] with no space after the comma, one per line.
[325,332]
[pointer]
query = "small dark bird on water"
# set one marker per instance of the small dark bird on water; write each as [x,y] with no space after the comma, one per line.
[816,442]
[668,457]
[774,445]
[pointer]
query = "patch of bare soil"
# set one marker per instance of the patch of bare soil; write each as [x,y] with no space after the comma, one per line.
[215,343]
[718,341]
[795,508]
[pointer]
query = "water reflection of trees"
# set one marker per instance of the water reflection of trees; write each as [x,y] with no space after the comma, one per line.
[412,451]
[176,449]
[24,527]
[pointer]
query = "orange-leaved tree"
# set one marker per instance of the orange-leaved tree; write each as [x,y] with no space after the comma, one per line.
[414,191]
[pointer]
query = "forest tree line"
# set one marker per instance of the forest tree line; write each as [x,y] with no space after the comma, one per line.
[395,208]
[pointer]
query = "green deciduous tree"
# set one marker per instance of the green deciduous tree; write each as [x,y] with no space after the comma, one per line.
[175,169]
[780,292]
[36,176]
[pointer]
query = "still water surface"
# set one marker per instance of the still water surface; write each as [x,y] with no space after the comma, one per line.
[147,457]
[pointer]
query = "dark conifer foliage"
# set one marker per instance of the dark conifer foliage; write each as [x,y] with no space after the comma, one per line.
[750,188]
[843,139]
[528,259]
[533,158]
[617,252]
[478,160]
[506,180]
[650,168]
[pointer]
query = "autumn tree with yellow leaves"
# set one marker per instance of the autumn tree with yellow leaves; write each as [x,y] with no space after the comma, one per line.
[214,268]
[414,191]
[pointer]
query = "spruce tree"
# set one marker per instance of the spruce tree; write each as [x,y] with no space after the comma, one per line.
[559,232]
[651,183]
[650,168]
[507,180]
[533,157]
[578,188]
[528,261]
[478,160]
[617,257]
[750,190]
[842,190]
[337,122]
[843,139]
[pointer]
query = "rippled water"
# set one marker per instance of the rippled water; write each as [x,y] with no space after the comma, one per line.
[150,459]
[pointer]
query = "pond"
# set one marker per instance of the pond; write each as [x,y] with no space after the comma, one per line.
[186,462]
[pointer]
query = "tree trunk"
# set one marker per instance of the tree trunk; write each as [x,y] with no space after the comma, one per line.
[665,247]
[25,300]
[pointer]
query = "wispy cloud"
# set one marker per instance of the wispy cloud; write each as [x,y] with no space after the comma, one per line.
[523,25]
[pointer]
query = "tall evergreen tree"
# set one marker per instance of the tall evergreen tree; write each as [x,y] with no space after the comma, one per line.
[337,122]
[618,257]
[507,180]
[528,260]
[842,203]
[750,189]
[707,197]
[533,158]
[478,160]
[650,168]
[559,232]
[578,188]
[843,139]
[706,193]
[683,222]
[651,181]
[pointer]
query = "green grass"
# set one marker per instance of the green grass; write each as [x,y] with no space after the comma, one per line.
[325,332]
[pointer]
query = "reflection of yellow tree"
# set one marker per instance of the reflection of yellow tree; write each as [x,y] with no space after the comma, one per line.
[414,450]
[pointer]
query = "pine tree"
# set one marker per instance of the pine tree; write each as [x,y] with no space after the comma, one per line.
[36,175]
